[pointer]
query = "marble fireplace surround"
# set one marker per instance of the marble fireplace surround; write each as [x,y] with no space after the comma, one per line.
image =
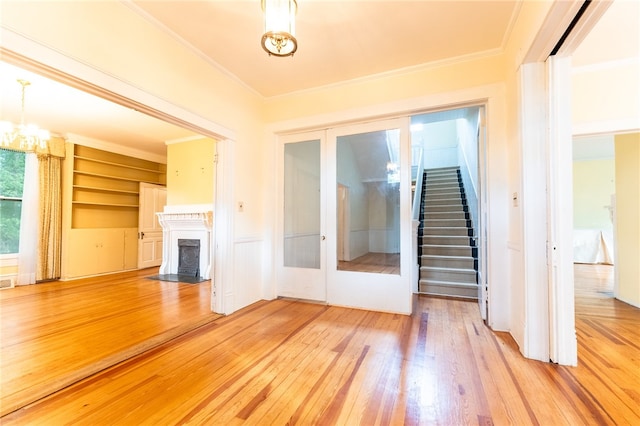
[192,221]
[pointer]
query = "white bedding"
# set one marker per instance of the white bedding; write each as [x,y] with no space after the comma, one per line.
[592,246]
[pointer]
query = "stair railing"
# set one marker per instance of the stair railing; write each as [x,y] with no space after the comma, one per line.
[415,219]
[417,196]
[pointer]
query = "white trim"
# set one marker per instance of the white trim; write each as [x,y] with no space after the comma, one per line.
[9,259]
[190,47]
[222,291]
[392,73]
[533,200]
[53,64]
[185,139]
[628,302]
[430,103]
[493,96]
[188,208]
[585,24]
[115,148]
[555,24]
[563,344]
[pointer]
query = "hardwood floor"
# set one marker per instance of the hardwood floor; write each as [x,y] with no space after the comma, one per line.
[54,334]
[287,362]
[379,263]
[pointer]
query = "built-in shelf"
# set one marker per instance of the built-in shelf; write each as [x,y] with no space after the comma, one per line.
[95,188]
[100,175]
[106,187]
[111,163]
[91,203]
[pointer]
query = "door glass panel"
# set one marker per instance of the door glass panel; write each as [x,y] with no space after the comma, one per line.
[302,204]
[368,204]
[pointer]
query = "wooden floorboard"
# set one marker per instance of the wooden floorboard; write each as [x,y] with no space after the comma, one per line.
[54,334]
[288,362]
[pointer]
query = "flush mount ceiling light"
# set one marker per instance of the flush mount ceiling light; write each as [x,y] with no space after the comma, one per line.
[279,27]
[28,136]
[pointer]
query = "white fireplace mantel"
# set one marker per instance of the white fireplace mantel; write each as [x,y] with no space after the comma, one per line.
[185,223]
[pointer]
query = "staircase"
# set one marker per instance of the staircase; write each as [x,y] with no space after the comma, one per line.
[447,254]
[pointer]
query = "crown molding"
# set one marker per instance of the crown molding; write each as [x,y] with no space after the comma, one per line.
[115,148]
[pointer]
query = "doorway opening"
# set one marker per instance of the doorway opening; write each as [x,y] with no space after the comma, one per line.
[448,149]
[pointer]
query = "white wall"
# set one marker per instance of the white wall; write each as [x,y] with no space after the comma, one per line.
[467,130]
[440,144]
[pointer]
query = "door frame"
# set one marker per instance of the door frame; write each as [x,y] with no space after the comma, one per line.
[547,105]
[66,70]
[498,196]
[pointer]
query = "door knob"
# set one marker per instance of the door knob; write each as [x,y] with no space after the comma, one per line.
[323,238]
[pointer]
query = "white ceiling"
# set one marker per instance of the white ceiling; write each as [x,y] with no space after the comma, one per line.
[338,41]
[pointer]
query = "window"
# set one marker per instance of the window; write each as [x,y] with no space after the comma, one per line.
[11,183]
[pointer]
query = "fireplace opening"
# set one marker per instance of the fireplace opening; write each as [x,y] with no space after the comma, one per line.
[189,257]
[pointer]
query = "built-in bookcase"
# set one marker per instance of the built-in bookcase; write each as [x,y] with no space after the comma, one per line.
[106,185]
[101,209]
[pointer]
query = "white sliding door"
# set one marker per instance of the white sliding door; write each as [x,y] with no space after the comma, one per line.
[369,216]
[301,252]
[345,219]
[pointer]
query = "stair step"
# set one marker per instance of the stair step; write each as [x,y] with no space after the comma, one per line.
[458,223]
[443,202]
[449,190]
[446,250]
[444,183]
[441,288]
[444,215]
[446,240]
[457,275]
[443,208]
[430,196]
[441,169]
[445,230]
[457,262]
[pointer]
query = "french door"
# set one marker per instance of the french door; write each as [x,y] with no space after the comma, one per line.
[302,230]
[345,226]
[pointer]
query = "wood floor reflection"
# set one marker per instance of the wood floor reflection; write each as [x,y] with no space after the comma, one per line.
[56,333]
[379,263]
[285,362]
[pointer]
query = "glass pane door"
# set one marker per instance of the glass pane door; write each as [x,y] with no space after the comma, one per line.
[301,271]
[369,216]
[368,202]
[302,204]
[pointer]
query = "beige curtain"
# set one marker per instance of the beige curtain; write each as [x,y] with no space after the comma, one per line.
[50,223]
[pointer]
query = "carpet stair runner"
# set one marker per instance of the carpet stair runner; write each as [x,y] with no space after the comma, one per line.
[447,254]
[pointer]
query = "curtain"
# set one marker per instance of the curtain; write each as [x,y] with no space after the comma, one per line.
[50,223]
[27,256]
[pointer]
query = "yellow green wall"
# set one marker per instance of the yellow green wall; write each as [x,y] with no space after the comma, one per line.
[593,185]
[191,172]
[628,217]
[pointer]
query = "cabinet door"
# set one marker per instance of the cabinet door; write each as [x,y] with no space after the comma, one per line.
[111,250]
[83,253]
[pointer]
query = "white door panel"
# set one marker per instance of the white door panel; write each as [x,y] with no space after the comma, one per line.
[152,199]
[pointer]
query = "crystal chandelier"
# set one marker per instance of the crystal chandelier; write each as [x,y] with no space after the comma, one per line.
[28,136]
[279,27]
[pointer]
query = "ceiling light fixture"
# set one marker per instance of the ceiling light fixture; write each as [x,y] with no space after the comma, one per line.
[279,27]
[28,136]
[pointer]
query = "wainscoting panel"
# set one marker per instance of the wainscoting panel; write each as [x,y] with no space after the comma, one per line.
[247,273]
